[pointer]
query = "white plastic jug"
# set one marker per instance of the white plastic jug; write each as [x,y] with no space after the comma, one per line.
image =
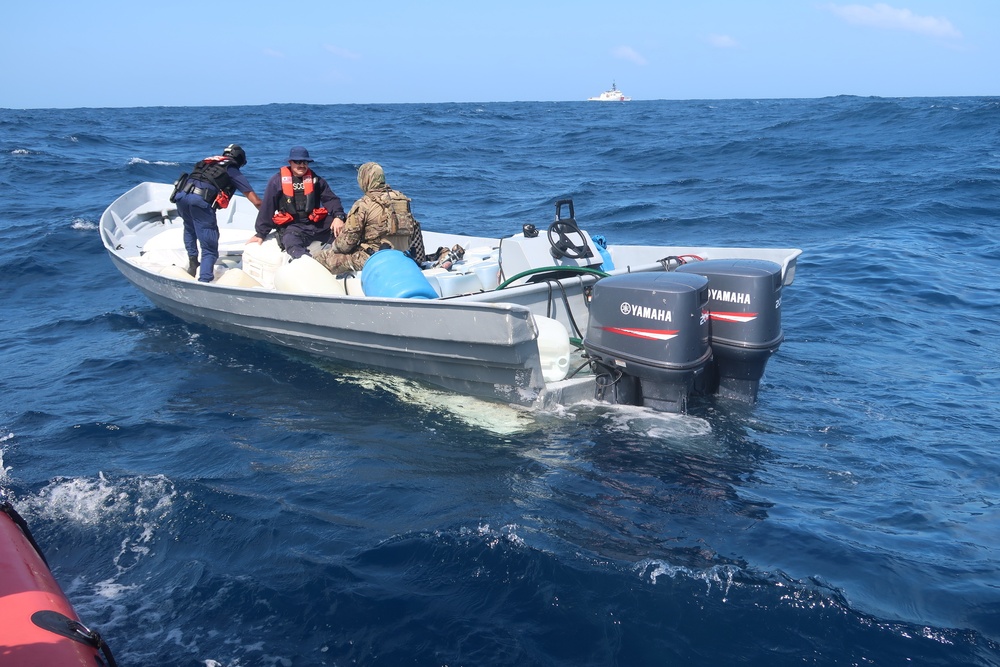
[553,348]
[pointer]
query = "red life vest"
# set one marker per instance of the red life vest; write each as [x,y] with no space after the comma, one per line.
[298,205]
[287,179]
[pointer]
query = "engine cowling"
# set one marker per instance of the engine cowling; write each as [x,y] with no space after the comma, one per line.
[744,296]
[649,335]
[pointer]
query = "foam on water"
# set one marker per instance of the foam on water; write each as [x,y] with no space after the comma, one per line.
[85,225]
[492,416]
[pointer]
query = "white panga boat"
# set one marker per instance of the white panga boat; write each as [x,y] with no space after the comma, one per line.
[613,95]
[537,318]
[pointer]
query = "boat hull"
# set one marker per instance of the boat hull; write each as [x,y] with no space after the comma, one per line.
[487,350]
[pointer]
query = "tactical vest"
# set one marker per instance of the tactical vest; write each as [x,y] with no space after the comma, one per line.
[396,217]
[298,199]
[214,170]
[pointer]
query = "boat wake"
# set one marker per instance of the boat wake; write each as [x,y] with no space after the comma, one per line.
[657,426]
[509,419]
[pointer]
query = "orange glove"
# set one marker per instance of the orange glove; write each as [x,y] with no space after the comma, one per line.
[319,214]
[282,218]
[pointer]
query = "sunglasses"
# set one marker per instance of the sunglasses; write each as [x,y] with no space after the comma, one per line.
[299,161]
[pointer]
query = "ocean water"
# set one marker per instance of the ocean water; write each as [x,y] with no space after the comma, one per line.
[208,500]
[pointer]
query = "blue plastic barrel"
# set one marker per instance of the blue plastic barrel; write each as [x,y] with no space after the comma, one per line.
[390,273]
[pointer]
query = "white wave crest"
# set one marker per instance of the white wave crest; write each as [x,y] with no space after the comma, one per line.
[721,576]
[161,163]
[87,501]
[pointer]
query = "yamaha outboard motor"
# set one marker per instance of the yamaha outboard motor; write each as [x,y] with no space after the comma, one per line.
[648,334]
[745,301]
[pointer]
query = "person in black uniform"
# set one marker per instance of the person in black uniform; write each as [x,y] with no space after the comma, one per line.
[300,206]
[199,195]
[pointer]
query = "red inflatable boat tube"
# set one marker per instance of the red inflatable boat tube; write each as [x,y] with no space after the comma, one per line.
[38,626]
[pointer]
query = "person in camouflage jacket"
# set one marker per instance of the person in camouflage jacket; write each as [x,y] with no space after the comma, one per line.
[381,218]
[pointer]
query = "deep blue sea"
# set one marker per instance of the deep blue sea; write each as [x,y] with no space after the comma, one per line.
[208,500]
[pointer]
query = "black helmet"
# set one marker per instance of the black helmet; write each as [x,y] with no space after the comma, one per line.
[237,153]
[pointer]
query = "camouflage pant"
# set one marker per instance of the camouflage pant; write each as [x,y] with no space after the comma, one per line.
[337,263]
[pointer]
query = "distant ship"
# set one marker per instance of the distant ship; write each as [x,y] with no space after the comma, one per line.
[613,95]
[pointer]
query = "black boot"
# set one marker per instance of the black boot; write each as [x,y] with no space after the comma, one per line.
[193,265]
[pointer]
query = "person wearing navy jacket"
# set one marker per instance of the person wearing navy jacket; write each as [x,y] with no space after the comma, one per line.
[199,195]
[300,206]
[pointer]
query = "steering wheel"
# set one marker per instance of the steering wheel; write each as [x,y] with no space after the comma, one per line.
[560,233]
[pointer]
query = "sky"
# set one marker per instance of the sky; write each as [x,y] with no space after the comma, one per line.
[133,53]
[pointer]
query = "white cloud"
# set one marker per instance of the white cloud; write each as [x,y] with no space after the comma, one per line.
[628,53]
[722,41]
[342,53]
[881,15]
[271,53]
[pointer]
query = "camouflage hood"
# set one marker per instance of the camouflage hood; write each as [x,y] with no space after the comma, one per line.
[371,177]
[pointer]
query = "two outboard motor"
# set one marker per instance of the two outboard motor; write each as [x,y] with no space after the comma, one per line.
[708,327]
